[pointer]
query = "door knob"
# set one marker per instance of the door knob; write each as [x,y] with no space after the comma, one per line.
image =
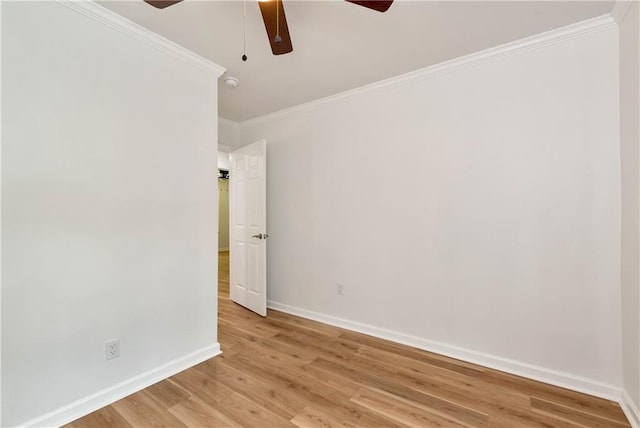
[259,236]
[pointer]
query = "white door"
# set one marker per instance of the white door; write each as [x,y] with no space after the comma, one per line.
[248,227]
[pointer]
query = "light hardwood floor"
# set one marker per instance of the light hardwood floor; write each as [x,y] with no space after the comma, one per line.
[284,370]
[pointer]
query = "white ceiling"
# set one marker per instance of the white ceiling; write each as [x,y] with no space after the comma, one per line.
[340,46]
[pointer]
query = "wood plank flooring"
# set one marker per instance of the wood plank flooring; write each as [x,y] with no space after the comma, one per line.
[286,371]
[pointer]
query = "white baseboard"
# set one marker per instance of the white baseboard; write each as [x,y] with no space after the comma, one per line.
[103,398]
[542,374]
[630,410]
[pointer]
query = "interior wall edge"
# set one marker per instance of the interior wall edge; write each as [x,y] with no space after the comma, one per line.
[107,396]
[0,221]
[630,410]
[620,9]
[542,374]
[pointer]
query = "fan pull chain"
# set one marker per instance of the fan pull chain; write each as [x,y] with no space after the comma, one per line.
[277,38]
[244,30]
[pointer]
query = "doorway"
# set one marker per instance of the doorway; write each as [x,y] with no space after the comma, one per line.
[223,234]
[242,226]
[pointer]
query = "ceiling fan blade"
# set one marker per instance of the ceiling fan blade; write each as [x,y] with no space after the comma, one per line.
[161,4]
[270,11]
[379,5]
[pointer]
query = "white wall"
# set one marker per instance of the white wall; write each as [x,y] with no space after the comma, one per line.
[630,152]
[108,210]
[495,235]
[228,134]
[223,160]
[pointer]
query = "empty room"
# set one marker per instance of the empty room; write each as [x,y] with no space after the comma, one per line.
[320,213]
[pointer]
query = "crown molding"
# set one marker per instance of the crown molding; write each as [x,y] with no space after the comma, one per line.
[111,19]
[224,148]
[228,144]
[547,38]
[228,121]
[620,9]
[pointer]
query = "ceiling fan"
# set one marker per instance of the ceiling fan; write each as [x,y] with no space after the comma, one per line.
[275,21]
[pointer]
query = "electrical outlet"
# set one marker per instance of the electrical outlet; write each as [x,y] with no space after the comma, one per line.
[340,287]
[112,348]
